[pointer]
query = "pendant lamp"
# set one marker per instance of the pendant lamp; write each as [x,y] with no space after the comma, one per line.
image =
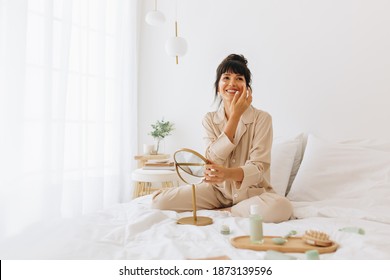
[176,46]
[155,17]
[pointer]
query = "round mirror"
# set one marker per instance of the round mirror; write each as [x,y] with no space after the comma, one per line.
[190,166]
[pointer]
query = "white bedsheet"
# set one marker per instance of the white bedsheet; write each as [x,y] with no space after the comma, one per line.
[135,231]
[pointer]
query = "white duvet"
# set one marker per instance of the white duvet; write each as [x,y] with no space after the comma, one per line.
[135,231]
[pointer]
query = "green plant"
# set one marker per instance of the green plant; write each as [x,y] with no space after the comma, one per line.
[161,129]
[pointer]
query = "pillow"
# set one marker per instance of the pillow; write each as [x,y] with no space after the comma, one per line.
[297,160]
[349,171]
[282,159]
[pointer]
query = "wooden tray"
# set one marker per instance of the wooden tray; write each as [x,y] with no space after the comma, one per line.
[293,245]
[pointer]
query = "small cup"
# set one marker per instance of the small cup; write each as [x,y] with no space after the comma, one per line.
[148,149]
[225,229]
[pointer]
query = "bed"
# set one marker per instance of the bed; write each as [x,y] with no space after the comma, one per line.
[341,188]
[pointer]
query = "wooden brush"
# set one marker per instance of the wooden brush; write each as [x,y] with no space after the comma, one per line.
[317,238]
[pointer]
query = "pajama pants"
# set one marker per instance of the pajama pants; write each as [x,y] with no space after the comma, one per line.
[274,208]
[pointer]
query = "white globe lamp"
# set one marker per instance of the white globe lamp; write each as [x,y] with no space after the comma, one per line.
[176,46]
[155,18]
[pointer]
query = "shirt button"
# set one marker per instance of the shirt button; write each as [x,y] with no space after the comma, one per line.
[235,195]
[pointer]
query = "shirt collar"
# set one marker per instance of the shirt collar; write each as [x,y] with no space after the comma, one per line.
[247,117]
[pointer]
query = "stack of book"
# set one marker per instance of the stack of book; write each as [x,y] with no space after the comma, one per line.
[159,164]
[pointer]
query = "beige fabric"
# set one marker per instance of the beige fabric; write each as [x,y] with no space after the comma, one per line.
[180,199]
[250,150]
[274,208]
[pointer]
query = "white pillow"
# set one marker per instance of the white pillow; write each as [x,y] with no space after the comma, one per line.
[297,160]
[341,171]
[282,159]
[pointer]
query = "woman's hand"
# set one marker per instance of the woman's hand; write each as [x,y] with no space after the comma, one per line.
[241,102]
[215,173]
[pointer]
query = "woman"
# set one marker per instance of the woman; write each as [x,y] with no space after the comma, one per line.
[238,140]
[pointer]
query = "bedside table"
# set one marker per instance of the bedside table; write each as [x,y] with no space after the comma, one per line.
[143,179]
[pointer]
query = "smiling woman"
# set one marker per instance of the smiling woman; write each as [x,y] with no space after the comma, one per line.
[230,70]
[239,140]
[63,80]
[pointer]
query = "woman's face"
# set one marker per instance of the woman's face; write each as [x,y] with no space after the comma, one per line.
[229,84]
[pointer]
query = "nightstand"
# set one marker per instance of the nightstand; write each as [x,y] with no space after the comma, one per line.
[144,179]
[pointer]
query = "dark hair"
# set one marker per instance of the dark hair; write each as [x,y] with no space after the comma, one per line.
[236,64]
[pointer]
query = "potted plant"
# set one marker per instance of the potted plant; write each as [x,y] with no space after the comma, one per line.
[161,129]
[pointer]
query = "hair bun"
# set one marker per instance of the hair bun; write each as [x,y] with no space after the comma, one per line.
[237,57]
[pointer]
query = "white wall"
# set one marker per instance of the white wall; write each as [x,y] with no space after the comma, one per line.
[318,66]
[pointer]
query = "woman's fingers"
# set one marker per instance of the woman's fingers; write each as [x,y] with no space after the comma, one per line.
[213,179]
[243,93]
[249,92]
[249,98]
[236,97]
[214,174]
[212,171]
[246,96]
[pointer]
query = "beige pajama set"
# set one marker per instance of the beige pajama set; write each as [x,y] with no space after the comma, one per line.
[251,151]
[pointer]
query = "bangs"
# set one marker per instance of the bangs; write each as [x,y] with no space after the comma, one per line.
[233,67]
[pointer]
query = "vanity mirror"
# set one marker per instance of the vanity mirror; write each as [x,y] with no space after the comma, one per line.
[190,167]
